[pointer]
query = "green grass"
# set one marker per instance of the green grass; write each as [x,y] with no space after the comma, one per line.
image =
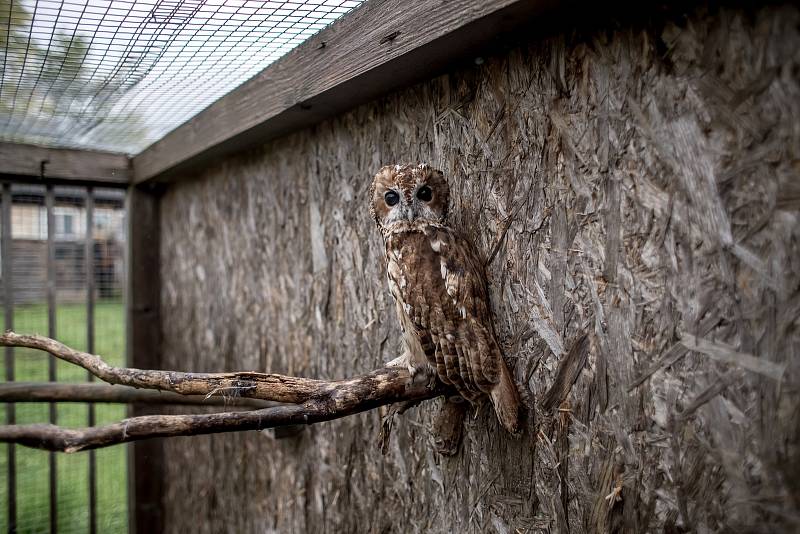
[33,487]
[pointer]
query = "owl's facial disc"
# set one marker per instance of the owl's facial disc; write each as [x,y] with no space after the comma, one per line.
[409,203]
[401,206]
[409,193]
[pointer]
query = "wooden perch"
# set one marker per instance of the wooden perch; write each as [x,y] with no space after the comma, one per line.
[312,401]
[93,392]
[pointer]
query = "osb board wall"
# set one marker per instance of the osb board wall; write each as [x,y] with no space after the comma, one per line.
[649,179]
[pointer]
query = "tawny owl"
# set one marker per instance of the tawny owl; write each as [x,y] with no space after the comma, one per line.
[440,290]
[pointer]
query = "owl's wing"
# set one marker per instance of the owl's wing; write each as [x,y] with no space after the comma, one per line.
[451,305]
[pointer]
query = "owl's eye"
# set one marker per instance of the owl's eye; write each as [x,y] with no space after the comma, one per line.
[424,193]
[391,198]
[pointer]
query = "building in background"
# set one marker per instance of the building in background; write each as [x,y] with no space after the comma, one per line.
[29,235]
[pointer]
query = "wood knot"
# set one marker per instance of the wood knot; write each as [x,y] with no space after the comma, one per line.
[389,38]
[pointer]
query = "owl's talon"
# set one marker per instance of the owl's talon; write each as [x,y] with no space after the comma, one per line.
[400,361]
[419,377]
[432,381]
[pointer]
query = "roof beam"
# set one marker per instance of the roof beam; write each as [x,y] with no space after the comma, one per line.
[34,161]
[380,46]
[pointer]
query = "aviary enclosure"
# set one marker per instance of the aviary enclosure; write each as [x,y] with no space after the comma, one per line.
[630,176]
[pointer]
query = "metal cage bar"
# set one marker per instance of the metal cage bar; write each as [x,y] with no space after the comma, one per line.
[8,306]
[89,259]
[51,332]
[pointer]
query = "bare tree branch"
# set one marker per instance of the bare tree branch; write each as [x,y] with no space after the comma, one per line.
[255,385]
[312,401]
[93,392]
[332,400]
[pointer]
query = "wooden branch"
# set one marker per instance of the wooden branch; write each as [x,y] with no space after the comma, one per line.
[254,385]
[331,400]
[312,400]
[94,392]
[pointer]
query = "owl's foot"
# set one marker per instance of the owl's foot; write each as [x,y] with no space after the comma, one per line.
[423,375]
[432,381]
[449,427]
[400,361]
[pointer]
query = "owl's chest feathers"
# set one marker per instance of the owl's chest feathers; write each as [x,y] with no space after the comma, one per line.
[411,256]
[414,262]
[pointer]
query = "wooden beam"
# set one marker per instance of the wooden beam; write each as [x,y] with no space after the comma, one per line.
[381,46]
[64,164]
[143,297]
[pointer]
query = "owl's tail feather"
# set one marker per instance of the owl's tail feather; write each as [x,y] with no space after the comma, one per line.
[505,399]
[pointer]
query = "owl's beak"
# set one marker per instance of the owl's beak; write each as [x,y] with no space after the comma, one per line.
[410,212]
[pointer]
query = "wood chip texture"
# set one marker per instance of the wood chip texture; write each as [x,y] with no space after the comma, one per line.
[642,181]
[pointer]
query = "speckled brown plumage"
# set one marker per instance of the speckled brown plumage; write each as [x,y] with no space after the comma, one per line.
[440,290]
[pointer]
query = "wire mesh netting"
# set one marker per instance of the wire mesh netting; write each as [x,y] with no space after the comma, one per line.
[49,294]
[119,75]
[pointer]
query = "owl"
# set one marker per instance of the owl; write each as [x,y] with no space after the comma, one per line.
[440,290]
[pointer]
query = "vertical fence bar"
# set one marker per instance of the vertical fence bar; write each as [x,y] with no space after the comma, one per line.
[89,258]
[8,307]
[51,332]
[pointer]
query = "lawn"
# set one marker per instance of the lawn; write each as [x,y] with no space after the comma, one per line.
[33,493]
